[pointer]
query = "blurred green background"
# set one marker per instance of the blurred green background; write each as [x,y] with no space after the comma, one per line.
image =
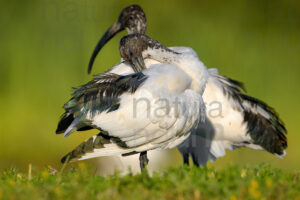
[46,46]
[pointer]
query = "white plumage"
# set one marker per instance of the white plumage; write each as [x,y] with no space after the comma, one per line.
[243,122]
[159,114]
[226,131]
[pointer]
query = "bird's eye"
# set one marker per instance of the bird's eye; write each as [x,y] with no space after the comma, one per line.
[131,18]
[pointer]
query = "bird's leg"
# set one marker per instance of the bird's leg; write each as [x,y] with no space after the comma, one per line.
[195,161]
[143,160]
[186,159]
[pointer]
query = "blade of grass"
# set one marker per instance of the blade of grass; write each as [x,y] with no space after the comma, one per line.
[64,165]
[29,171]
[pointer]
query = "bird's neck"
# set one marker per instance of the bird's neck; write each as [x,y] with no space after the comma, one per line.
[187,62]
[139,28]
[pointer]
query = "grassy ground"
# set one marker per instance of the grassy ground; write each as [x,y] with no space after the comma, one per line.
[46,46]
[262,182]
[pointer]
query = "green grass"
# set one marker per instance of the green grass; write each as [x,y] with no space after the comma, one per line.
[46,46]
[232,182]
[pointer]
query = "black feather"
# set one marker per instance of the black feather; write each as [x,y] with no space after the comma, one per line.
[99,95]
[64,123]
[85,128]
[88,146]
[269,133]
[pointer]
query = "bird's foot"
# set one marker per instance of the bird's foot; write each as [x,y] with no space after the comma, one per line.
[186,159]
[143,160]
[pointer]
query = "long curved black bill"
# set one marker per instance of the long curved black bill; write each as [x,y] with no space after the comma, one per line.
[110,33]
[137,63]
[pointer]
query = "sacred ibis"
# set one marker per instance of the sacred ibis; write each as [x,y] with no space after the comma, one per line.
[155,108]
[243,121]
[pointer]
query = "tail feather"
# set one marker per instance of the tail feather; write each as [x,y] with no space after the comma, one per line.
[264,125]
[266,130]
[64,123]
[96,146]
[74,126]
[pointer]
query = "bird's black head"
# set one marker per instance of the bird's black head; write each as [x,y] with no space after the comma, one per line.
[132,18]
[134,48]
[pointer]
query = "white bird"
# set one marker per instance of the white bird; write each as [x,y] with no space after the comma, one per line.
[152,109]
[239,121]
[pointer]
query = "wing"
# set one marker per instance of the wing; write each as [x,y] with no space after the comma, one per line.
[102,94]
[98,145]
[245,122]
[159,114]
[263,124]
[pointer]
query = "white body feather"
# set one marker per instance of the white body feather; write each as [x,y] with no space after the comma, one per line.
[229,129]
[160,114]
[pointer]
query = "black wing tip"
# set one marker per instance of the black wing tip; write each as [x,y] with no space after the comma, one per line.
[269,133]
[64,123]
[57,132]
[238,84]
[258,125]
[234,85]
[274,116]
